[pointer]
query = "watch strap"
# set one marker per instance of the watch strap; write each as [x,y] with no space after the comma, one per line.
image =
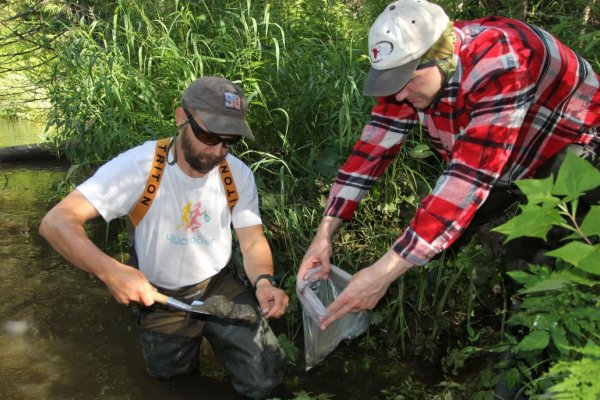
[268,277]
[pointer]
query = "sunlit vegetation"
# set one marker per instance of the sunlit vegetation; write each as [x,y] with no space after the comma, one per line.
[113,72]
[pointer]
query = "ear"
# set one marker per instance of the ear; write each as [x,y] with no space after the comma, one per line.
[180,116]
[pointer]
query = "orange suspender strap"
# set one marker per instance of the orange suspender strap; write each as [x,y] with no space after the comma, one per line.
[158,165]
[154,178]
[228,184]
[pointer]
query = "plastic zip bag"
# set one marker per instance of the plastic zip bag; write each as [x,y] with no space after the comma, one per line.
[316,295]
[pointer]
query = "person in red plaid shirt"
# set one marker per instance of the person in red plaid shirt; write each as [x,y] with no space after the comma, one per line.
[499,99]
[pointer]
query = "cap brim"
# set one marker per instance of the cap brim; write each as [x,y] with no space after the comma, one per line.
[226,125]
[387,82]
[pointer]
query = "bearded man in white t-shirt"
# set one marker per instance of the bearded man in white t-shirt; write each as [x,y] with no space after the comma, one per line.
[183,243]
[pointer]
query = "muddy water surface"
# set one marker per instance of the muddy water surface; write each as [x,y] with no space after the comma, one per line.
[63,336]
[14,132]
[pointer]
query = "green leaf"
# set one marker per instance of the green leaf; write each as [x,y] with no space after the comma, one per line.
[591,224]
[571,252]
[559,338]
[582,255]
[577,278]
[575,379]
[589,313]
[590,263]
[543,321]
[537,190]
[485,378]
[552,283]
[521,276]
[512,378]
[536,340]
[573,327]
[575,177]
[533,221]
[420,151]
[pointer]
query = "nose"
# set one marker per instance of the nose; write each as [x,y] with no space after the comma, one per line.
[402,94]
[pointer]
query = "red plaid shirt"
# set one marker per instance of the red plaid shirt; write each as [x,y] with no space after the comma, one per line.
[518,97]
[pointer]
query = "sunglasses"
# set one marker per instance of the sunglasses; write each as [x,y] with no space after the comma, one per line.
[209,138]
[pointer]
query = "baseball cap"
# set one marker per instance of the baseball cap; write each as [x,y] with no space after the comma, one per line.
[220,104]
[400,35]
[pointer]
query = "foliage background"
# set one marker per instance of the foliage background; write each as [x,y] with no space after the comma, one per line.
[112,73]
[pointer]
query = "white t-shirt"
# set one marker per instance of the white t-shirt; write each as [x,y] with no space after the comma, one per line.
[185,237]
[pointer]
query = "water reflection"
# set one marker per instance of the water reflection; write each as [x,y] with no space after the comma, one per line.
[14,132]
[63,336]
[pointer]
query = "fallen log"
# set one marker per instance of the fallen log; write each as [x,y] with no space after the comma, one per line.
[26,152]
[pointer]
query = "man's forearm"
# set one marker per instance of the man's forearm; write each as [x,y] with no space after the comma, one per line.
[72,243]
[63,228]
[328,226]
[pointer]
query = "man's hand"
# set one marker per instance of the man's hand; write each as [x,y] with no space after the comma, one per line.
[320,250]
[273,301]
[366,287]
[128,284]
[258,261]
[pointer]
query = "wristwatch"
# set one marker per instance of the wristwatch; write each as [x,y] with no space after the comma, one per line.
[268,277]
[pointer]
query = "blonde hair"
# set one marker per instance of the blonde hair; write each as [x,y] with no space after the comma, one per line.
[442,51]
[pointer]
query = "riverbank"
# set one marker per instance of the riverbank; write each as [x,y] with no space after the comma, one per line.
[29,152]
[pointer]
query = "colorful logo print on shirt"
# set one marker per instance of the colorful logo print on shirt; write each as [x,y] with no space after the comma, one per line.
[192,217]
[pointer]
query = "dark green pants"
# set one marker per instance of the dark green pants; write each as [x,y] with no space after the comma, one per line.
[170,339]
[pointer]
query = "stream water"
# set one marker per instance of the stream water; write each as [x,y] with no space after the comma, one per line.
[62,335]
[14,132]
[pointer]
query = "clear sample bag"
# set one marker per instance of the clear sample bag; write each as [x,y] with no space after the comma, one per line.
[315,295]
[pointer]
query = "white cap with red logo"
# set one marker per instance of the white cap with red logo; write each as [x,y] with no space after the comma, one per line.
[401,34]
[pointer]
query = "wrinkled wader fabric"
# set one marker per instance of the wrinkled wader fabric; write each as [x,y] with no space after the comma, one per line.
[170,339]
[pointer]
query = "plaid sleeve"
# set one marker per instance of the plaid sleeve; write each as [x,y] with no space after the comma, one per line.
[379,143]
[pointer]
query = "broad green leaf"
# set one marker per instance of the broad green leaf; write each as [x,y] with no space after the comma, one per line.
[587,326]
[590,313]
[573,327]
[578,253]
[559,338]
[512,377]
[536,340]
[576,380]
[521,276]
[537,190]
[574,277]
[591,224]
[485,378]
[543,321]
[575,177]
[420,151]
[531,222]
[553,283]
[591,262]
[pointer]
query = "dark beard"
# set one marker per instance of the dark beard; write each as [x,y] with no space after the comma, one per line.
[200,162]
